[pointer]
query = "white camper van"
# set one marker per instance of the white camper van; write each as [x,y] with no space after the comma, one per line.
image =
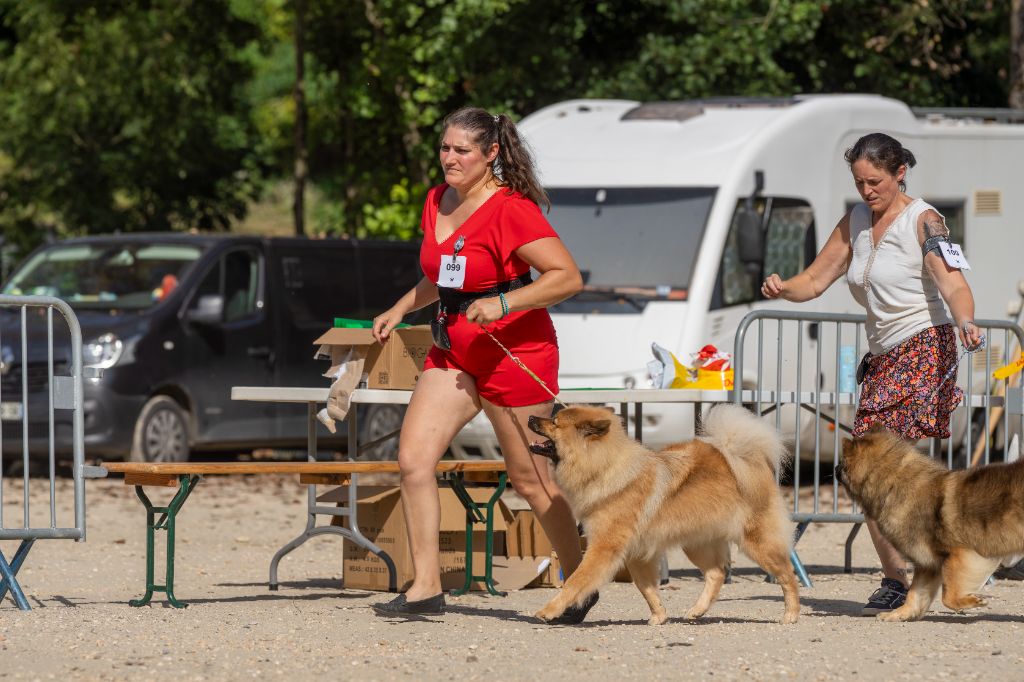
[647,198]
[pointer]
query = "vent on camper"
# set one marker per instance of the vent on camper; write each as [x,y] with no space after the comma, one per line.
[988,202]
[663,111]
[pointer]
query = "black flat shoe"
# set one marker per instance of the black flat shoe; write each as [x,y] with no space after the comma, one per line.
[400,606]
[574,615]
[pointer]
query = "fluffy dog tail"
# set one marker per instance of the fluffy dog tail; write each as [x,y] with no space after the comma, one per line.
[745,439]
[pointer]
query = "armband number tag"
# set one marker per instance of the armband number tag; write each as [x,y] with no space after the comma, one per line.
[452,274]
[954,256]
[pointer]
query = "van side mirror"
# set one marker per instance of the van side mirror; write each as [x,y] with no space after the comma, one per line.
[750,239]
[209,310]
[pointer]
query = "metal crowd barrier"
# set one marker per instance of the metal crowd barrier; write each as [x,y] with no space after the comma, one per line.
[26,360]
[800,367]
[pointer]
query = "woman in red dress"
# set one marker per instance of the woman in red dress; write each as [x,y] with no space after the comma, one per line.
[483,231]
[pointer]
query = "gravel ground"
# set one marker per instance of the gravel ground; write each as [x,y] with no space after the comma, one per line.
[82,628]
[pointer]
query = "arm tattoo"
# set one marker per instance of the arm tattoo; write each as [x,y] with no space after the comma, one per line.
[935,227]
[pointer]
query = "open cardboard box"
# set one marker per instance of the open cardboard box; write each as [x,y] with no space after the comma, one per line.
[522,553]
[397,364]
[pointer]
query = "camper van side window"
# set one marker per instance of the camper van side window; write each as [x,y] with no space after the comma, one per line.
[788,248]
[788,224]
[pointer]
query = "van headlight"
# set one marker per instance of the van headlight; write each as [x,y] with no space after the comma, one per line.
[104,352]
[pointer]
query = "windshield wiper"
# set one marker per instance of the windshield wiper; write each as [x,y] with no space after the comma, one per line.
[614,294]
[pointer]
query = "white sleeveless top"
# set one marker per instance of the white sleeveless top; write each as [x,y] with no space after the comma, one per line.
[890,280]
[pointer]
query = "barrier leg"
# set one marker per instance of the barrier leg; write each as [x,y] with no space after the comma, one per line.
[9,571]
[848,558]
[794,558]
[166,523]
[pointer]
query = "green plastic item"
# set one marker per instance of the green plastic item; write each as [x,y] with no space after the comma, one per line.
[348,323]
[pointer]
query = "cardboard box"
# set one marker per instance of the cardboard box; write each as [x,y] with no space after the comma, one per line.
[382,521]
[525,538]
[397,364]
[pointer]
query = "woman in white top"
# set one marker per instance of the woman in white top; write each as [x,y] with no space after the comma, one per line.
[890,248]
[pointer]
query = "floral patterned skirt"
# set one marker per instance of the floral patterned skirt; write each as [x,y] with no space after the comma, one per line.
[899,389]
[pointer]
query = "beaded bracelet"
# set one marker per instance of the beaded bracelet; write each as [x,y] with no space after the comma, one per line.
[504,304]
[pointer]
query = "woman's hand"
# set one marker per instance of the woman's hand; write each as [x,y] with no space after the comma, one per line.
[484,311]
[970,335]
[773,286]
[385,323]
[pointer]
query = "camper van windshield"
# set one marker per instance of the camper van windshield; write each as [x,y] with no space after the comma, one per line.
[632,244]
[119,275]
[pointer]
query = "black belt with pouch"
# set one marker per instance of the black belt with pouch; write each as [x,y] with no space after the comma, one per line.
[458,301]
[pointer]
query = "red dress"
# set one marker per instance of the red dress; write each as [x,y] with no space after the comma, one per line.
[490,237]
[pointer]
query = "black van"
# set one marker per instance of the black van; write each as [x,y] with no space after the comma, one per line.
[176,320]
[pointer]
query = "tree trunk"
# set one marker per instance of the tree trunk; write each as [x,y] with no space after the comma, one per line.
[1017,54]
[301,117]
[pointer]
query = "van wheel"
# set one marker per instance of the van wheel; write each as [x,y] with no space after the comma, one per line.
[161,432]
[377,422]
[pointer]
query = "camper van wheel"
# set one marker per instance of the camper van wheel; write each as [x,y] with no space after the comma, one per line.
[377,422]
[161,432]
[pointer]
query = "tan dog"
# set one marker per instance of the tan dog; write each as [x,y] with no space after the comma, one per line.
[702,495]
[955,526]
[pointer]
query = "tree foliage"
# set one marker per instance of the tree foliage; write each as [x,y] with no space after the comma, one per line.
[156,114]
[123,116]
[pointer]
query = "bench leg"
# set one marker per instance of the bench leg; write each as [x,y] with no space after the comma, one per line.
[474,516]
[9,571]
[166,522]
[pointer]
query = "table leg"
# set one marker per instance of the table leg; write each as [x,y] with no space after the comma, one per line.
[474,516]
[306,534]
[186,483]
[9,572]
[352,532]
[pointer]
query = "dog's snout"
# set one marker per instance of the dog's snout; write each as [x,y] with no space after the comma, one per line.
[840,473]
[536,424]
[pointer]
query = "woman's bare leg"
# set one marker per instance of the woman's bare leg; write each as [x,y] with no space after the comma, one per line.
[894,566]
[442,402]
[531,476]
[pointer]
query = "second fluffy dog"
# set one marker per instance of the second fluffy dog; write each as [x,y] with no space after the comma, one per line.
[702,495]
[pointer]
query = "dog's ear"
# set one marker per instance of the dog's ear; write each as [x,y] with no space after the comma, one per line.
[609,410]
[596,427]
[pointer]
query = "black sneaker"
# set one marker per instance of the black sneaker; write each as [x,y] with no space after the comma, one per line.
[1014,572]
[891,595]
[574,615]
[400,606]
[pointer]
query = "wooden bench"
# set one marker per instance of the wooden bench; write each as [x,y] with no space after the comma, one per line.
[185,475]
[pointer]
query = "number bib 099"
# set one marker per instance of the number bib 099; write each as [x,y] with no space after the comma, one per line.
[452,274]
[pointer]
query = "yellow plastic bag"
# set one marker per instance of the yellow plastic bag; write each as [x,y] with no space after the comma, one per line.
[712,370]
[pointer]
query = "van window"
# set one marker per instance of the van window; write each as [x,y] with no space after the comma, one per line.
[632,244]
[387,272]
[318,282]
[114,274]
[790,246]
[235,278]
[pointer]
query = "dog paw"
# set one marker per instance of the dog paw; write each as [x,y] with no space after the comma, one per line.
[658,618]
[897,616]
[547,613]
[694,614]
[968,601]
[789,618]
